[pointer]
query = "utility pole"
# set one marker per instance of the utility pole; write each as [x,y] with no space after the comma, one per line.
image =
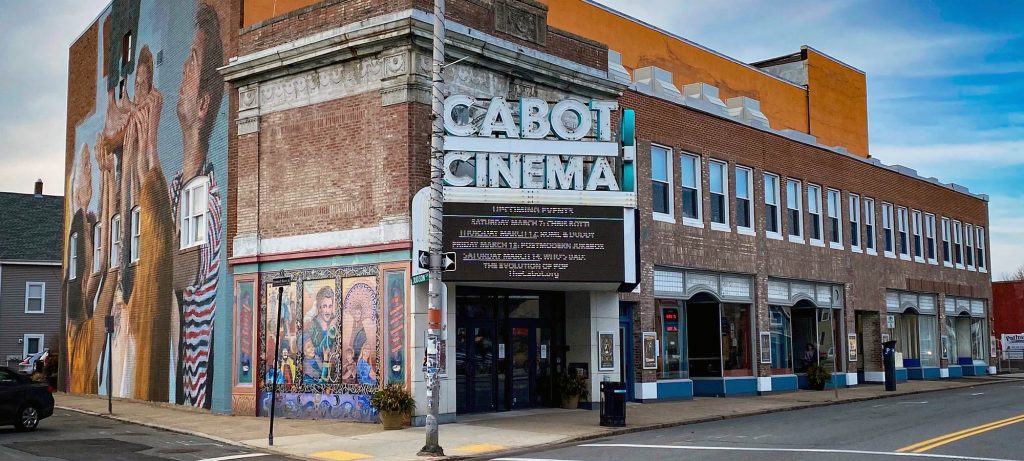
[109,324]
[279,282]
[434,320]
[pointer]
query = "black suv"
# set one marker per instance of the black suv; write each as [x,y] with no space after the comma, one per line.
[23,402]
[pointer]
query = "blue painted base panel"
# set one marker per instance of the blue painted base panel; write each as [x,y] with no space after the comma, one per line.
[719,387]
[955,371]
[974,370]
[901,375]
[785,383]
[675,390]
[838,379]
[923,373]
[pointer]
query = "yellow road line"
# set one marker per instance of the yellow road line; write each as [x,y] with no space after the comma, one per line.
[339,455]
[954,436]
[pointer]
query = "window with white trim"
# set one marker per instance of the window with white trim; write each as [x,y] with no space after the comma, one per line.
[887,235]
[794,208]
[32,344]
[35,297]
[835,219]
[958,248]
[718,182]
[771,202]
[918,240]
[855,222]
[981,249]
[73,256]
[744,206]
[193,212]
[869,225]
[903,226]
[97,245]
[929,237]
[690,186]
[947,255]
[115,241]
[814,212]
[661,182]
[969,245]
[134,250]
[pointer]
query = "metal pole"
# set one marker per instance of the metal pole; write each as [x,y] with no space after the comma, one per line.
[110,372]
[434,320]
[277,366]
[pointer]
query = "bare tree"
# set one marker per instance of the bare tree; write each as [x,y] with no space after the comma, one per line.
[1017,275]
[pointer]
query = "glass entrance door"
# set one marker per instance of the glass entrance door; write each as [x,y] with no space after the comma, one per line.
[523,364]
[476,379]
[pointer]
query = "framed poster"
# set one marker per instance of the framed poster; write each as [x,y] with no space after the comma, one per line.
[606,350]
[945,347]
[650,350]
[885,337]
[244,337]
[765,346]
[851,345]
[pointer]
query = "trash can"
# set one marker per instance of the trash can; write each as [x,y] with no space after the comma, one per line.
[613,404]
[889,361]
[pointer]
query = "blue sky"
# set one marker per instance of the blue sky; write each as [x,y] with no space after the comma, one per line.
[945,82]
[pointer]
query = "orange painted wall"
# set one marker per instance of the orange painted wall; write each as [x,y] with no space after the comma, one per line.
[255,11]
[838,102]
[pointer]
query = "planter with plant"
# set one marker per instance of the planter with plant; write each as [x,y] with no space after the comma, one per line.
[394,405]
[818,377]
[572,387]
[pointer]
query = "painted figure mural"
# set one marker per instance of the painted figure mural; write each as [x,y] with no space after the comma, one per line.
[395,282]
[244,365]
[145,208]
[320,333]
[359,337]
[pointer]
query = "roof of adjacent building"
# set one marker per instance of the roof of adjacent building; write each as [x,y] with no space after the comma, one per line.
[31,227]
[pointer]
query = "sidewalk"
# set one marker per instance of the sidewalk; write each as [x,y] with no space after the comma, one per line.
[473,435]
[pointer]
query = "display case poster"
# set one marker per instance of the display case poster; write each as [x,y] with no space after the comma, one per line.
[650,351]
[851,345]
[606,348]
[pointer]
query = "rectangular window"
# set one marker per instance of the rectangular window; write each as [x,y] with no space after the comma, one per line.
[771,202]
[115,241]
[947,257]
[661,182]
[718,181]
[887,229]
[32,344]
[901,221]
[814,211]
[794,206]
[135,235]
[97,245]
[869,225]
[855,222]
[691,189]
[958,248]
[918,242]
[744,209]
[193,212]
[929,237]
[969,245]
[835,219]
[35,297]
[781,339]
[981,249]
[73,257]
[673,340]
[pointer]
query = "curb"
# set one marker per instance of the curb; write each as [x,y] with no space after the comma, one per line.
[707,419]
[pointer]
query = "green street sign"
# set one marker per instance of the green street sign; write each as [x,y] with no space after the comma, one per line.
[420,278]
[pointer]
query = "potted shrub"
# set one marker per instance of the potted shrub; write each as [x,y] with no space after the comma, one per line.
[394,405]
[572,387]
[817,377]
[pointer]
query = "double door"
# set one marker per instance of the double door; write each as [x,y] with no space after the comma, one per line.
[499,364]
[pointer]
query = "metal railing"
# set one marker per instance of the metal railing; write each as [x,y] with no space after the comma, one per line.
[1010,361]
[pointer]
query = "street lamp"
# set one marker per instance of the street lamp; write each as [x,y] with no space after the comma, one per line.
[279,282]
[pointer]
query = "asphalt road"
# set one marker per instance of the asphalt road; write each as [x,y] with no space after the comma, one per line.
[73,436]
[984,423]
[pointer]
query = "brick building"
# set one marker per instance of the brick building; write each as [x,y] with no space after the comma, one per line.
[621,220]
[1008,307]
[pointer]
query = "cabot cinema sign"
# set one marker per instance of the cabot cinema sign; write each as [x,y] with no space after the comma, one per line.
[541,146]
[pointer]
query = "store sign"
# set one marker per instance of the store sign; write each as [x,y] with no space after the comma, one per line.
[531,243]
[1014,342]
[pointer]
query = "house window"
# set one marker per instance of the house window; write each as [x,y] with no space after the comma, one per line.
[814,210]
[135,235]
[193,212]
[32,344]
[901,220]
[771,201]
[35,297]
[835,218]
[981,249]
[929,237]
[115,241]
[718,180]
[97,245]
[794,207]
[918,243]
[691,189]
[969,244]
[661,182]
[854,222]
[744,210]
[869,225]
[73,257]
[887,229]
[946,256]
[958,249]
[126,49]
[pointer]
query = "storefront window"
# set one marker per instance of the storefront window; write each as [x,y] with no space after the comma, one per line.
[979,340]
[928,328]
[673,344]
[736,340]
[963,340]
[782,340]
[951,341]
[908,340]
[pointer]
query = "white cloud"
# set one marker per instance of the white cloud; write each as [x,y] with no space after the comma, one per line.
[953,162]
[1006,233]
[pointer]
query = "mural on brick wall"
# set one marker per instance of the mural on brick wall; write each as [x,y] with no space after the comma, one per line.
[144,204]
[333,343]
